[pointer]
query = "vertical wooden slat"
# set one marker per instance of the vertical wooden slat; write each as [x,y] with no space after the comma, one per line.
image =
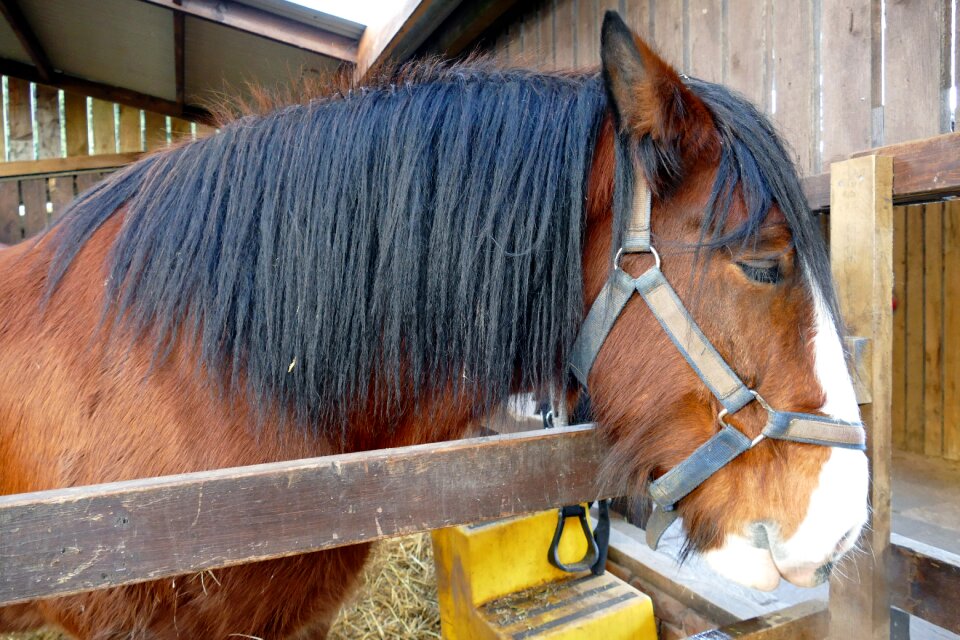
[748,46]
[861,248]
[564,27]
[602,7]
[75,114]
[513,51]
[637,15]
[34,195]
[10,223]
[932,329]
[179,129]
[846,62]
[155,130]
[104,131]
[20,143]
[795,75]
[668,31]
[913,301]
[706,39]
[48,122]
[86,180]
[61,194]
[546,54]
[531,41]
[588,47]
[205,130]
[951,330]
[917,51]
[130,129]
[899,413]
[3,137]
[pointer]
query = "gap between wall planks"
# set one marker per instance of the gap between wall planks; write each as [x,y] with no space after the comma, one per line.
[770,46]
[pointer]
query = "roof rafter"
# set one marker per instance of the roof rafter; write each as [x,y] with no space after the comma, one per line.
[266,25]
[28,39]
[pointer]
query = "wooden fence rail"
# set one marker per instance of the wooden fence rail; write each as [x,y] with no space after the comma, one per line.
[72,540]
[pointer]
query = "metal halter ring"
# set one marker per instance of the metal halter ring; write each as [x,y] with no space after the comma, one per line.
[763,403]
[616,258]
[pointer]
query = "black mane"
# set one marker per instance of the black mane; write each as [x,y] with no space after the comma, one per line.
[410,237]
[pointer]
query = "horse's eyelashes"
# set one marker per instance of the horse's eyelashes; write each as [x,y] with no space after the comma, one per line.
[762,272]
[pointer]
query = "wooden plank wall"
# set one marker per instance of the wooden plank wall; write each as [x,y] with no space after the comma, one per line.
[45,123]
[926,344]
[774,52]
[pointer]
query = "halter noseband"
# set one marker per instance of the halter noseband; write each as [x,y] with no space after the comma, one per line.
[729,442]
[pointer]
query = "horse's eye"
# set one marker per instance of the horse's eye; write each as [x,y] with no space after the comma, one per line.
[762,271]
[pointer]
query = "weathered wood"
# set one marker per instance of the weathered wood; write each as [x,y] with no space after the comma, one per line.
[11,228]
[62,191]
[34,195]
[179,130]
[129,130]
[28,39]
[846,64]
[749,50]
[899,402]
[75,164]
[399,33]
[20,140]
[914,306]
[155,130]
[925,582]
[266,25]
[922,170]
[75,114]
[637,14]
[71,540]
[805,621]
[706,39]
[861,255]
[932,329]
[179,55]
[951,330]
[86,180]
[564,32]
[105,92]
[587,51]
[466,24]
[668,31]
[917,55]
[795,72]
[104,127]
[47,114]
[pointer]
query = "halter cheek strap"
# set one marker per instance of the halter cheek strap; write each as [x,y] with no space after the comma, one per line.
[707,363]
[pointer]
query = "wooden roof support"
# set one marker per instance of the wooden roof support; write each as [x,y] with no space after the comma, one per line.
[401,34]
[105,91]
[28,39]
[266,25]
[465,26]
[179,58]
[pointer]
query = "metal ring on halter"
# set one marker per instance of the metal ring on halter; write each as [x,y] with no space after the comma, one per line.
[763,403]
[616,258]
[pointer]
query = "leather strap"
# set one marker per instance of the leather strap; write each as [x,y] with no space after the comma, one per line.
[636,239]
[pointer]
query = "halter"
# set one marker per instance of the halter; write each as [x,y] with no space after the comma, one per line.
[729,442]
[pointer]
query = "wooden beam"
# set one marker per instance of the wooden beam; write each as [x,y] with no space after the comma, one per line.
[266,25]
[179,60]
[804,621]
[861,256]
[72,540]
[54,166]
[924,582]
[106,92]
[28,39]
[922,170]
[400,33]
[465,25]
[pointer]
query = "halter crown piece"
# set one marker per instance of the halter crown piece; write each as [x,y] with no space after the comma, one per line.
[729,442]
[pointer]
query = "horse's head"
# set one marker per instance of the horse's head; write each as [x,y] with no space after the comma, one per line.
[740,248]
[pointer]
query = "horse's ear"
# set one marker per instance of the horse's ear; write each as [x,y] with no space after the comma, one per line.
[648,96]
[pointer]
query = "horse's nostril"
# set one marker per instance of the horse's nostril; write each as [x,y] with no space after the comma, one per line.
[759,535]
[823,573]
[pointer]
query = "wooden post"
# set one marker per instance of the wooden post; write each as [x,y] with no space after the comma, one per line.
[861,254]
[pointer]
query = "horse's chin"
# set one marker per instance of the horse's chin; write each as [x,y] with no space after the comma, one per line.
[740,561]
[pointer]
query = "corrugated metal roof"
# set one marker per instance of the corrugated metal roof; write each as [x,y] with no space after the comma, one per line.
[309,16]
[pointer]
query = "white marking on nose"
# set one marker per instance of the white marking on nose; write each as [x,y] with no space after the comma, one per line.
[839,502]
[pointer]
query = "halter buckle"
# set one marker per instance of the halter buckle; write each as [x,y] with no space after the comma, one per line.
[763,403]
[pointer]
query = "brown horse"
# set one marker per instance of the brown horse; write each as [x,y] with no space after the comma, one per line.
[380,267]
